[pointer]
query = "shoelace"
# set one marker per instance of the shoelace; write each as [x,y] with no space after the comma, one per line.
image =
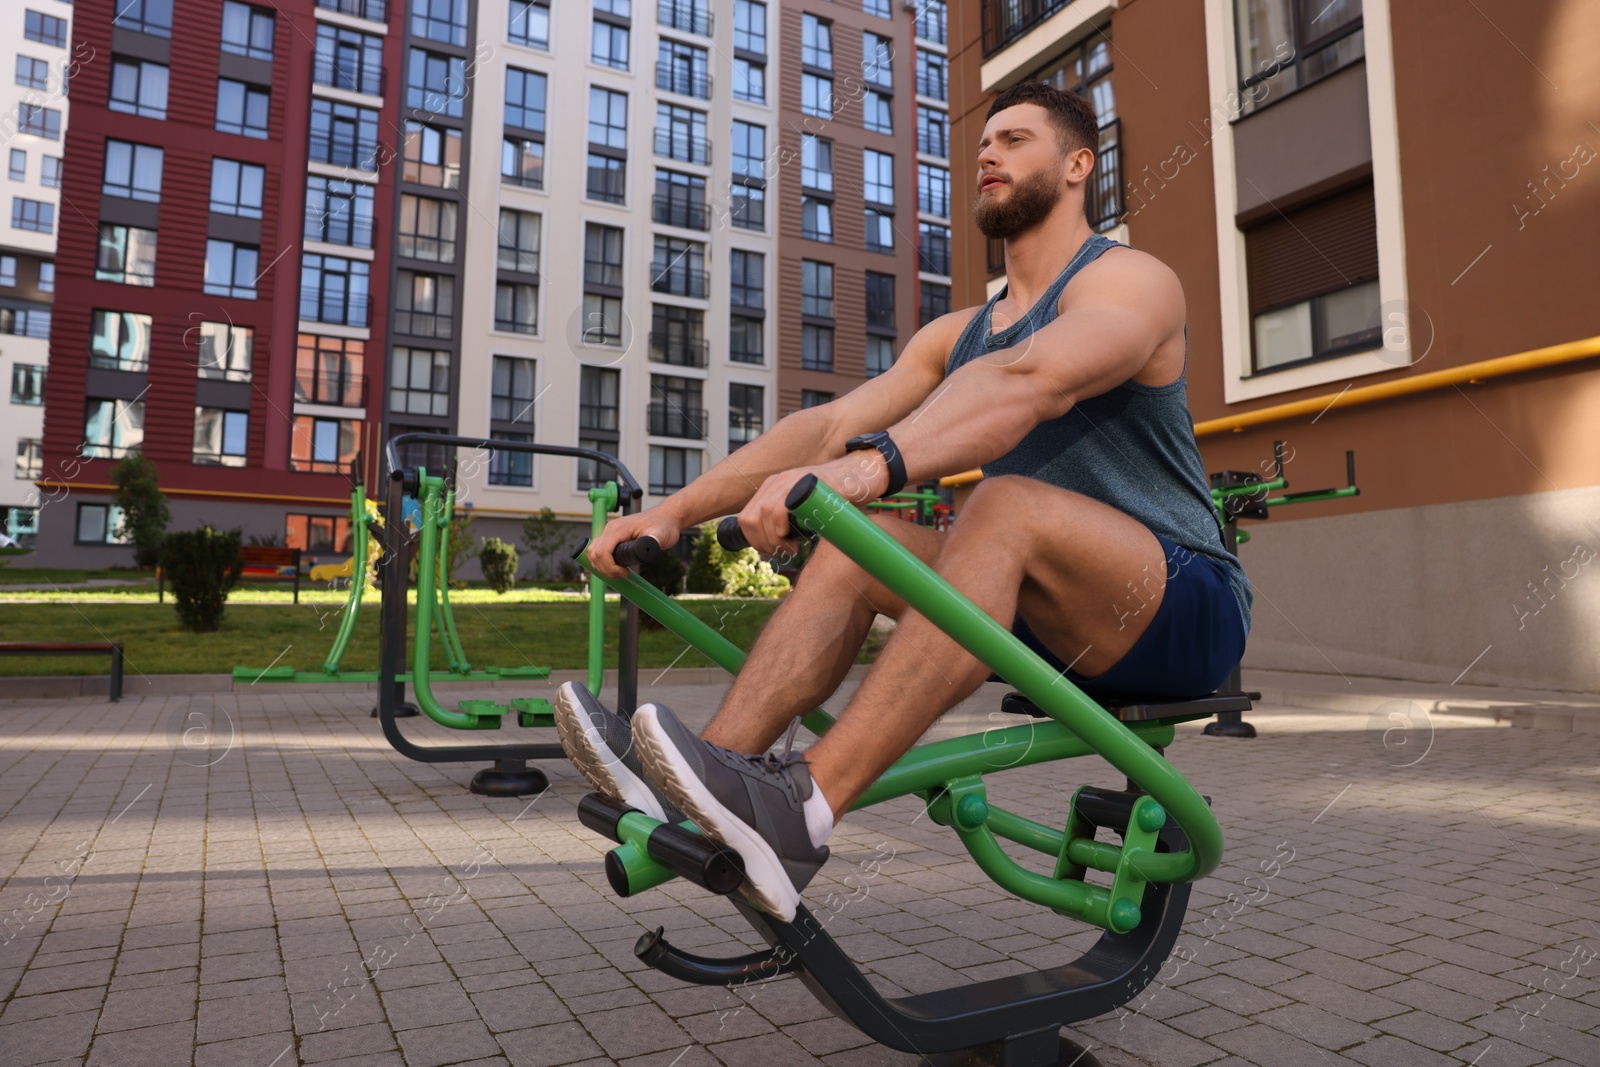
[773,765]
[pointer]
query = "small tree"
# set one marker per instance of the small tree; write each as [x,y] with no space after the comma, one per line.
[202,566]
[543,535]
[462,547]
[499,562]
[705,561]
[143,506]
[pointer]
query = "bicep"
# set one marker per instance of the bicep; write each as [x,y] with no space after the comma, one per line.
[882,401]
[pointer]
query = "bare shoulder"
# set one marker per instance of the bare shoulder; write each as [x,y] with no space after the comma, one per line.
[935,341]
[1127,271]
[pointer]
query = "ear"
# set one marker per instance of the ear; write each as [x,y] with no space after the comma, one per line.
[1080,162]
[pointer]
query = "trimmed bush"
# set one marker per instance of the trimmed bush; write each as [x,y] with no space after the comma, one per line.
[714,570]
[705,561]
[749,575]
[202,566]
[499,562]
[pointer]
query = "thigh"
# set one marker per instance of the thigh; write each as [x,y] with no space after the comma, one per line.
[832,569]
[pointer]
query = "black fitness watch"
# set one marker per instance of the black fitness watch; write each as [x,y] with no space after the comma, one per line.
[891,455]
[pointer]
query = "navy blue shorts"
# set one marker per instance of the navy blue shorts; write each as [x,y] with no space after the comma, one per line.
[1195,639]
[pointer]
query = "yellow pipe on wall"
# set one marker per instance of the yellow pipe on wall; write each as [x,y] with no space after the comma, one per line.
[1483,370]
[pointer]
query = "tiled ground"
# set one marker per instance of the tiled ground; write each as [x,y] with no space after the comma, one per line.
[255,880]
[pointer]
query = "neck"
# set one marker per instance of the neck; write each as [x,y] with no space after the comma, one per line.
[1036,258]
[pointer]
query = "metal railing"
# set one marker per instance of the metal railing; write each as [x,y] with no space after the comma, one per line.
[674,78]
[376,10]
[672,210]
[597,417]
[1103,197]
[678,280]
[686,15]
[670,419]
[680,351]
[343,390]
[684,147]
[1006,20]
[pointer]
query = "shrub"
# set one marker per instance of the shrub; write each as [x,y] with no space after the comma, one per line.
[499,562]
[749,575]
[202,566]
[462,547]
[544,536]
[144,507]
[705,561]
[713,569]
[665,573]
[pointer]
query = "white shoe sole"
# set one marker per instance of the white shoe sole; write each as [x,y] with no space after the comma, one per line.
[767,884]
[595,759]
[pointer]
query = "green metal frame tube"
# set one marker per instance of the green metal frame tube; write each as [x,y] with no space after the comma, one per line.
[358,580]
[603,499]
[421,685]
[826,513]
[447,619]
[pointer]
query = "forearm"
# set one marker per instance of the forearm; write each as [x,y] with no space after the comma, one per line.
[800,439]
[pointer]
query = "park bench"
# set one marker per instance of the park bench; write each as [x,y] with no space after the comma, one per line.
[72,648]
[255,556]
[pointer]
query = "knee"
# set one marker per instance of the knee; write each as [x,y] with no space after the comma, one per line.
[997,503]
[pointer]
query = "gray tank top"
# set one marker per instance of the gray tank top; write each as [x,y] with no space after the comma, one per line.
[1131,447]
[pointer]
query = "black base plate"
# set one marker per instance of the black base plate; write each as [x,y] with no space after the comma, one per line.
[1072,1054]
[506,782]
[1229,729]
[404,711]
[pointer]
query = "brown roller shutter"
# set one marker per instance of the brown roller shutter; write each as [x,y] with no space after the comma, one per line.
[1316,249]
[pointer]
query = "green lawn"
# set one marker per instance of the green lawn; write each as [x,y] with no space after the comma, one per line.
[14,575]
[494,634]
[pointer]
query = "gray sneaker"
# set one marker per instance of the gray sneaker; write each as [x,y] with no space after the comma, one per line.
[600,744]
[751,804]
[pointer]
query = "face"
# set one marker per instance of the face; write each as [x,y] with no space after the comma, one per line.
[1021,172]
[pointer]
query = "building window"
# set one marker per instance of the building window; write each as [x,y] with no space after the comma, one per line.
[746,413]
[317,533]
[608,43]
[511,391]
[745,340]
[816,95]
[602,257]
[816,288]
[132,171]
[932,20]
[436,83]
[529,24]
[879,230]
[816,42]
[243,109]
[31,321]
[247,30]
[119,340]
[598,421]
[747,285]
[427,229]
[100,524]
[34,215]
[608,143]
[749,150]
[933,248]
[27,383]
[812,398]
[8,270]
[750,27]
[519,241]
[220,437]
[816,347]
[521,162]
[237,188]
[508,466]
[39,120]
[18,171]
[677,335]
[323,446]
[747,207]
[690,16]
[341,134]
[50,172]
[672,468]
[126,254]
[677,406]
[525,99]
[880,300]
[30,459]
[602,320]
[1313,282]
[339,212]
[935,302]
[933,190]
[147,16]
[32,73]
[816,164]
[749,80]
[328,370]
[224,351]
[877,112]
[444,21]
[424,304]
[516,307]
[877,177]
[877,60]
[419,382]
[1286,45]
[879,8]
[932,75]
[232,269]
[46,29]
[333,289]
[348,59]
[47,275]
[880,355]
[678,267]
[432,156]
[680,200]
[681,68]
[112,428]
[681,134]
[816,218]
[933,132]
[138,88]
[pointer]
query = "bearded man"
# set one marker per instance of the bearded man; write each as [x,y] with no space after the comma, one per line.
[1092,534]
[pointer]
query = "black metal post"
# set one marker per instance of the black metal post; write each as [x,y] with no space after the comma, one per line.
[116,671]
[1231,723]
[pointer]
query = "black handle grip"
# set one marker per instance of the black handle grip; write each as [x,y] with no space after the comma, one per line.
[635,553]
[731,537]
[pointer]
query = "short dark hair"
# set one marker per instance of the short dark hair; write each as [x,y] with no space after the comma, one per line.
[1072,115]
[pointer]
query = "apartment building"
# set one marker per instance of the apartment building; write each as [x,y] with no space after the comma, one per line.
[1382,251]
[33,116]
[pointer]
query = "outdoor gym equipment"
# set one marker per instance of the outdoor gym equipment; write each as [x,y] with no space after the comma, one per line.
[1169,837]
[1243,495]
[510,775]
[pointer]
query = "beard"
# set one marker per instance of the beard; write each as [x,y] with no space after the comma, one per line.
[1031,201]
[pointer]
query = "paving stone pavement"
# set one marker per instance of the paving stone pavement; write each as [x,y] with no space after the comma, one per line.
[255,879]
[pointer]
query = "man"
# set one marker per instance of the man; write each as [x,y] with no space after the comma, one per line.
[1092,533]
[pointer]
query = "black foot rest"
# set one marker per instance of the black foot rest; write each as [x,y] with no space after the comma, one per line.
[683,852]
[1137,709]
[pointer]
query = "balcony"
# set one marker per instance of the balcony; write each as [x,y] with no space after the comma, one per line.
[684,147]
[602,417]
[1006,20]
[682,15]
[343,390]
[375,10]
[681,211]
[670,419]
[880,316]
[1103,197]
[424,324]
[680,351]
[933,256]
[677,78]
[678,280]
[357,77]
[334,304]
